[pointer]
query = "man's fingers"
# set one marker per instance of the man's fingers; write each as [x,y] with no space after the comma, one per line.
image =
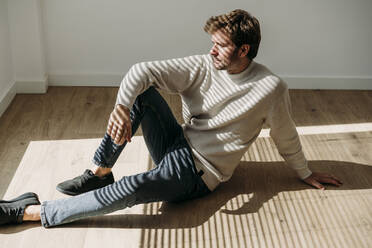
[109,127]
[317,185]
[113,132]
[330,180]
[129,132]
[314,183]
[120,134]
[117,125]
[122,140]
[339,181]
[336,179]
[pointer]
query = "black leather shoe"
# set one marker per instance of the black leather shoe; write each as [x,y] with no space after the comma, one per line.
[84,183]
[12,211]
[21,197]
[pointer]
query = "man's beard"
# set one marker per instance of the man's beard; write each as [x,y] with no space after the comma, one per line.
[222,65]
[219,65]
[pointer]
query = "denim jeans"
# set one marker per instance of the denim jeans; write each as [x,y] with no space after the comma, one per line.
[174,178]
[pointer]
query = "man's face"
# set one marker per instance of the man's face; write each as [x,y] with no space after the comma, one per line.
[224,52]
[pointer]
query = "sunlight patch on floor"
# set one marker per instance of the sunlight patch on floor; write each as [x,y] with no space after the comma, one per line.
[327,129]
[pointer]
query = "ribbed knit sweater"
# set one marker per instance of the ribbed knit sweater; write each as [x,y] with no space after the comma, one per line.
[223,113]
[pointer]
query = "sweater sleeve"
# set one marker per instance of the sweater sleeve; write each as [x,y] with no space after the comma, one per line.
[283,132]
[173,75]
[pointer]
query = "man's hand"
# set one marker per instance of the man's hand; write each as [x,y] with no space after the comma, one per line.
[119,126]
[317,179]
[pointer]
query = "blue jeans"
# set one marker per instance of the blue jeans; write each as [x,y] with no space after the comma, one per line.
[175,177]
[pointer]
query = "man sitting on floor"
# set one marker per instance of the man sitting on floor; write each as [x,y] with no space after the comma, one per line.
[226,98]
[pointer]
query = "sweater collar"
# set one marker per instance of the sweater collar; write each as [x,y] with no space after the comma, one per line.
[242,76]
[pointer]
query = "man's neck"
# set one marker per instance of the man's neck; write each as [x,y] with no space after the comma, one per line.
[240,66]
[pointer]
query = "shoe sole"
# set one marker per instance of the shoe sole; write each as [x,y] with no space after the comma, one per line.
[22,197]
[72,193]
[67,192]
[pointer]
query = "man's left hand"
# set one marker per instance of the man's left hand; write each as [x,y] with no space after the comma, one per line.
[317,180]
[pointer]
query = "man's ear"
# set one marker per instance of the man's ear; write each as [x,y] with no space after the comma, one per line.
[244,49]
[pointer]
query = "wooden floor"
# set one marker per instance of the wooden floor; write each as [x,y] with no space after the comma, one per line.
[50,137]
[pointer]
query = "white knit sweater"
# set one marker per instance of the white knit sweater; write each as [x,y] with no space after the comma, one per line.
[223,113]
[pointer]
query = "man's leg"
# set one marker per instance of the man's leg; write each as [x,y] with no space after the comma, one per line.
[173,179]
[160,130]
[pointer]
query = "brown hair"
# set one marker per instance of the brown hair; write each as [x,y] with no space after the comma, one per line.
[242,27]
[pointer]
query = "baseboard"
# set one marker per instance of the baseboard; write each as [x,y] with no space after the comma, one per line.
[329,83]
[7,98]
[32,86]
[22,87]
[112,80]
[99,80]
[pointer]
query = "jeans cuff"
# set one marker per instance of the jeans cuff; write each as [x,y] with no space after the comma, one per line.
[44,222]
[101,165]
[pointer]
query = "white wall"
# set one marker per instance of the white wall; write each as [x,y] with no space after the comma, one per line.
[7,89]
[312,44]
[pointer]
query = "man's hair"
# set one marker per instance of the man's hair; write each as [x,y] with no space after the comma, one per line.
[242,27]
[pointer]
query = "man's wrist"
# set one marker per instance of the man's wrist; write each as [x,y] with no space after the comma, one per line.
[304,173]
[122,106]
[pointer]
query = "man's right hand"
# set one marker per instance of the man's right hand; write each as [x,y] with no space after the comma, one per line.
[119,126]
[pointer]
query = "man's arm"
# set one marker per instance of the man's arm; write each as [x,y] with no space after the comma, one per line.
[283,132]
[173,76]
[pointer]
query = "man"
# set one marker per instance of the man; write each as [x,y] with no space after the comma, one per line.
[226,96]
